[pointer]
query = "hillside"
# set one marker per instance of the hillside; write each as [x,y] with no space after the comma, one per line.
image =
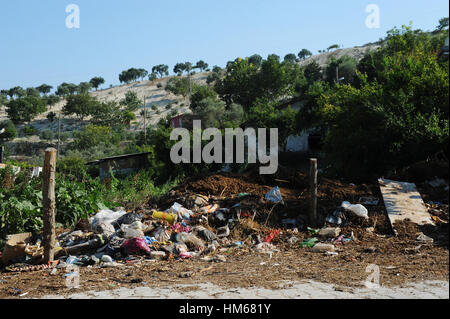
[154,96]
[357,53]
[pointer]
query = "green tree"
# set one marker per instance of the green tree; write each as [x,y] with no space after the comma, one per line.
[84,87]
[25,109]
[178,86]
[215,76]
[32,92]
[96,82]
[290,58]
[201,65]
[142,73]
[256,60]
[201,92]
[51,116]
[344,67]
[52,100]
[81,105]
[44,89]
[304,53]
[161,69]
[93,136]
[10,130]
[131,101]
[3,99]
[334,46]
[66,89]
[179,68]
[313,72]
[238,85]
[443,24]
[397,118]
[16,92]
[152,77]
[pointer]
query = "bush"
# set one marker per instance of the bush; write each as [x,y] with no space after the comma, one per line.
[47,135]
[131,101]
[10,130]
[64,136]
[51,116]
[92,136]
[178,86]
[159,85]
[30,130]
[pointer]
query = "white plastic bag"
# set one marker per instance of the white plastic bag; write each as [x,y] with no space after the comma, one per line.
[106,216]
[358,209]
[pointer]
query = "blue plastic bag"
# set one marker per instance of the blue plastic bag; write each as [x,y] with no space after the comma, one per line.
[274,195]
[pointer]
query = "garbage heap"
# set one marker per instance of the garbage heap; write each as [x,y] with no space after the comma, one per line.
[111,238]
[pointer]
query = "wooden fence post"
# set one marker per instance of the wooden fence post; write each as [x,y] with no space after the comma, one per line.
[48,193]
[313,191]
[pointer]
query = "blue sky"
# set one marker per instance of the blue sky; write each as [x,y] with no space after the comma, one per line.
[36,47]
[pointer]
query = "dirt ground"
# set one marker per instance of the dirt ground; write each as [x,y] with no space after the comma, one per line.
[401,259]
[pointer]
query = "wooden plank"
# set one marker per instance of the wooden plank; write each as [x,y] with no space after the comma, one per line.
[403,201]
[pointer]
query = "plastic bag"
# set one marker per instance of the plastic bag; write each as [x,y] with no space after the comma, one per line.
[135,246]
[178,209]
[191,241]
[358,209]
[105,216]
[161,235]
[274,195]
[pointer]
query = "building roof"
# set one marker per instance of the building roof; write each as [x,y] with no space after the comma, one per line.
[116,157]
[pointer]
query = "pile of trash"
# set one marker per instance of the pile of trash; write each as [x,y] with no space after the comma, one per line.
[113,237]
[202,231]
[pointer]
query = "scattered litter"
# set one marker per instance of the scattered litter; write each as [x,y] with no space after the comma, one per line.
[424,239]
[329,232]
[309,243]
[135,246]
[358,209]
[274,195]
[322,248]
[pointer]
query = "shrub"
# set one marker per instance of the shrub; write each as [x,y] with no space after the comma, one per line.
[30,130]
[93,135]
[64,136]
[10,130]
[47,135]
[51,116]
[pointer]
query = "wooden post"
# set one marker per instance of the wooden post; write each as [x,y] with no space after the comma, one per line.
[48,193]
[2,154]
[313,191]
[145,119]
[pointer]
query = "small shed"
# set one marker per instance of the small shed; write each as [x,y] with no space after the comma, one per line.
[177,121]
[121,165]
